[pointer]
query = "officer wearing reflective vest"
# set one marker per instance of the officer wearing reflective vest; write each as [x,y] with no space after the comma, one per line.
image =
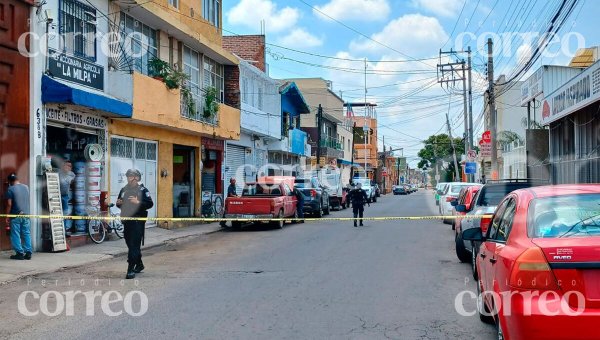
[134,200]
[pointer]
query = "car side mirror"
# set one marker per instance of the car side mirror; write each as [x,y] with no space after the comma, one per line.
[460,208]
[454,203]
[473,234]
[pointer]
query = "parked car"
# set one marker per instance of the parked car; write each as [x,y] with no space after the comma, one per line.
[541,251]
[366,186]
[439,190]
[485,202]
[316,199]
[450,193]
[269,197]
[399,190]
[466,198]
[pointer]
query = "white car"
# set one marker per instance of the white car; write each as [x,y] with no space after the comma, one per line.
[450,193]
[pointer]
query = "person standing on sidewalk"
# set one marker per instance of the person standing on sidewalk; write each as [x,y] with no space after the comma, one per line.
[231,192]
[134,200]
[66,176]
[358,197]
[18,204]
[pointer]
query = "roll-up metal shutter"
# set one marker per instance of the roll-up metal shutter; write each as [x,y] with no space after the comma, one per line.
[234,161]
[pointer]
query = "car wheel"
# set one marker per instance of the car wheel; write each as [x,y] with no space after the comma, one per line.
[474,262]
[482,310]
[280,223]
[461,252]
[296,220]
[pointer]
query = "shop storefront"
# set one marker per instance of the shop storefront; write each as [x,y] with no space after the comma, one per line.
[212,165]
[75,146]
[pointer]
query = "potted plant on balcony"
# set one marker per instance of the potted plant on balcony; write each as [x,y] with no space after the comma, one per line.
[172,77]
[211,103]
[159,69]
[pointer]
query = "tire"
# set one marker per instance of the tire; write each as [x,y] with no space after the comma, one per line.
[481,307]
[281,222]
[295,220]
[461,252]
[320,210]
[96,231]
[474,263]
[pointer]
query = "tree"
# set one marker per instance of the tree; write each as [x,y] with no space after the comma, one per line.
[437,149]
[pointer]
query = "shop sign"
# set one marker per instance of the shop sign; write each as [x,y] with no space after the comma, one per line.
[574,95]
[76,70]
[71,117]
[532,87]
[213,144]
[485,148]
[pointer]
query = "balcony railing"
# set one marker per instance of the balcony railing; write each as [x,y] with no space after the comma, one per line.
[328,142]
[188,111]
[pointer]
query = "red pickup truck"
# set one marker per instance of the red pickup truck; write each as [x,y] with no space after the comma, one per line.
[269,197]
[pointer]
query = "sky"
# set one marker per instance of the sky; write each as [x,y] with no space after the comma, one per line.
[400,41]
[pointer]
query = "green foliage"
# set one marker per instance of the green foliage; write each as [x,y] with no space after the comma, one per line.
[439,148]
[211,103]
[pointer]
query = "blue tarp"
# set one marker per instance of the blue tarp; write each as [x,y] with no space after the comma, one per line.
[56,92]
[298,138]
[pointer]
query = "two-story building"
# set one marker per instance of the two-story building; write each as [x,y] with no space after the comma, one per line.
[333,143]
[127,84]
[365,139]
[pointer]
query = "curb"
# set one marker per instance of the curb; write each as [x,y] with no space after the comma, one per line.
[107,257]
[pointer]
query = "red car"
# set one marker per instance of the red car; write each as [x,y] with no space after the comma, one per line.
[539,264]
[465,197]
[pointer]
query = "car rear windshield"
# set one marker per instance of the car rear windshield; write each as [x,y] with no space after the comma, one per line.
[493,194]
[455,189]
[261,190]
[564,216]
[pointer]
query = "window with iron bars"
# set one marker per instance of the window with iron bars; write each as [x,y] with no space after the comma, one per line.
[77,27]
[141,40]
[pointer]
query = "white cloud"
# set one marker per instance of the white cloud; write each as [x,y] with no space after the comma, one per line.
[358,10]
[444,8]
[300,38]
[413,34]
[250,12]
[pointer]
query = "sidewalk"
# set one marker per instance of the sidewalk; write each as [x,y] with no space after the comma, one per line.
[12,270]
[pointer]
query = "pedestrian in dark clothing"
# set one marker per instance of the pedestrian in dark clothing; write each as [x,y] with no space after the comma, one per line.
[358,197]
[231,192]
[18,204]
[134,200]
[299,203]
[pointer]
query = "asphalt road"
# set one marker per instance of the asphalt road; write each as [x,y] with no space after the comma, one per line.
[324,280]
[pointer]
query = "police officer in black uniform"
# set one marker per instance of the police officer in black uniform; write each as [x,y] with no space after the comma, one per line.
[358,197]
[134,200]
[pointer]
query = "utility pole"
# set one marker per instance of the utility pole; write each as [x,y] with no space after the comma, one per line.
[492,105]
[456,170]
[352,159]
[469,67]
[465,108]
[319,128]
[365,127]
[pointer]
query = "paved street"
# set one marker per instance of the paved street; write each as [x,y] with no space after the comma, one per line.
[389,279]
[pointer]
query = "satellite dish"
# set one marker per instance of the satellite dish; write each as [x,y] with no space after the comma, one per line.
[93,152]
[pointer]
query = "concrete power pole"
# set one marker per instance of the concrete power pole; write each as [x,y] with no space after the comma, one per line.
[492,104]
[456,170]
[469,67]
[319,128]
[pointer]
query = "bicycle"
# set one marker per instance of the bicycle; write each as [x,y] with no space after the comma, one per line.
[212,207]
[98,228]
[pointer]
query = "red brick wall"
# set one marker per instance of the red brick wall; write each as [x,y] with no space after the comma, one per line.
[232,86]
[247,47]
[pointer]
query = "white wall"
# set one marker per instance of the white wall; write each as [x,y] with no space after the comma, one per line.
[265,121]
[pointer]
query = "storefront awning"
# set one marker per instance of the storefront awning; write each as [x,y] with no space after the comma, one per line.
[59,93]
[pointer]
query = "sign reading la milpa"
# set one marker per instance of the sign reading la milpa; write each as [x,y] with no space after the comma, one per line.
[577,93]
[76,70]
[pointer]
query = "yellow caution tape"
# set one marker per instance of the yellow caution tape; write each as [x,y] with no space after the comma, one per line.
[211,219]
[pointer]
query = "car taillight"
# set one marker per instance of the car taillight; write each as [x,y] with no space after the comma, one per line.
[450,198]
[313,193]
[531,271]
[485,224]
